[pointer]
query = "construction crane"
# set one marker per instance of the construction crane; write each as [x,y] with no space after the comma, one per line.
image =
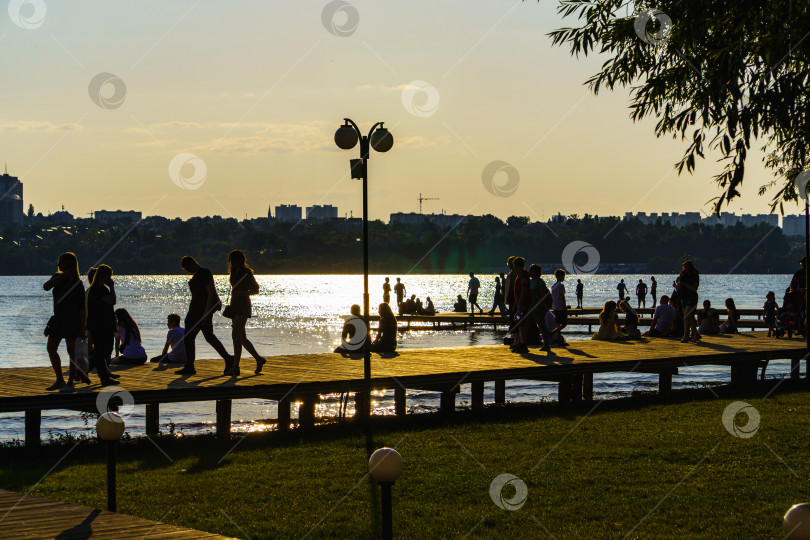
[420,199]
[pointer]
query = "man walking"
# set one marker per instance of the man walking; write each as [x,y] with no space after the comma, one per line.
[472,293]
[200,316]
[399,289]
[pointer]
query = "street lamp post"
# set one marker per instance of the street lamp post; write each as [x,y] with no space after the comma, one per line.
[109,427]
[385,466]
[381,140]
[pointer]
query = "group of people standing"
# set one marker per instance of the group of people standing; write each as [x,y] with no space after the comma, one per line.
[90,315]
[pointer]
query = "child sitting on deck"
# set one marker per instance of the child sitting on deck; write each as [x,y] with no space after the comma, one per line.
[174,340]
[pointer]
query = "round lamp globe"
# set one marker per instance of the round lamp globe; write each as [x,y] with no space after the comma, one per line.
[110,426]
[346,137]
[797,522]
[385,465]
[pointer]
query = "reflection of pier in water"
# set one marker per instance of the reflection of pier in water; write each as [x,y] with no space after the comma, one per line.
[302,378]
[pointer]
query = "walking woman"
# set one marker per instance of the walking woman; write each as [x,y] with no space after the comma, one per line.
[101,322]
[243,285]
[68,318]
[688,283]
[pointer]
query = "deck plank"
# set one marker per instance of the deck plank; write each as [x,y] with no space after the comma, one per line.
[26,516]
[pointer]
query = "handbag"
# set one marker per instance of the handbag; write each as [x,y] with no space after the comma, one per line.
[49,326]
[227,311]
[80,357]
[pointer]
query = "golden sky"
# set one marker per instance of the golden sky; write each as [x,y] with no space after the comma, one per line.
[100,98]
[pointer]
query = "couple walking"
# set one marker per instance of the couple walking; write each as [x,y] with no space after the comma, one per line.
[205,301]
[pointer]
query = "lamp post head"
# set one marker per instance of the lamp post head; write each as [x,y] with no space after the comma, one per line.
[110,426]
[385,465]
[382,140]
[346,137]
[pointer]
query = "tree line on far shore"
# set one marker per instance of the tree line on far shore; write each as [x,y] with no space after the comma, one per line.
[156,245]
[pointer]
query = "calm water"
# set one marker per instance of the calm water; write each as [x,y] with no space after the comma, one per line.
[302,314]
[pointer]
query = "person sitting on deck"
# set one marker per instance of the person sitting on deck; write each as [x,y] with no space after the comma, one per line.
[551,324]
[662,320]
[730,326]
[386,340]
[350,328]
[630,320]
[460,306]
[409,306]
[677,324]
[609,324]
[128,340]
[429,308]
[708,319]
[419,307]
[174,341]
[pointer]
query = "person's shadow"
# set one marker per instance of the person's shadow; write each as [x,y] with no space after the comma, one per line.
[82,530]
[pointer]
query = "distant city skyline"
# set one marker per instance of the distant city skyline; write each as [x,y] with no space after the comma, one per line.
[166,110]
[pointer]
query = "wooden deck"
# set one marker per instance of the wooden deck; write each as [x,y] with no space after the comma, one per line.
[302,378]
[25,516]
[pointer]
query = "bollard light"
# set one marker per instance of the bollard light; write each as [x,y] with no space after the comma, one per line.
[109,428]
[797,522]
[385,466]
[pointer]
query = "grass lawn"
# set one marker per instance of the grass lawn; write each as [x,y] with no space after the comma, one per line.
[637,466]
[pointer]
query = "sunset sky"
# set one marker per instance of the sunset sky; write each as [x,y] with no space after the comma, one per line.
[257,89]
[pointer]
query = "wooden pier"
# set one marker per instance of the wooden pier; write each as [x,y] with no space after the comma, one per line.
[751,319]
[302,378]
[26,516]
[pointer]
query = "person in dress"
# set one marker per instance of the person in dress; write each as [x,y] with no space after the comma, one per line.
[609,324]
[68,318]
[128,340]
[243,285]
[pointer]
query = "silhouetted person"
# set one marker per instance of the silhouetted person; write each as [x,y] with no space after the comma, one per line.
[654,290]
[386,340]
[101,323]
[349,329]
[498,300]
[580,291]
[387,291]
[200,316]
[243,285]
[688,283]
[399,289]
[641,293]
[472,292]
[622,288]
[461,305]
[68,317]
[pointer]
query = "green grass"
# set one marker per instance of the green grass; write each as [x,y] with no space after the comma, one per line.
[664,470]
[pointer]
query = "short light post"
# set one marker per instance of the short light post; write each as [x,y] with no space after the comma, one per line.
[381,140]
[385,466]
[796,523]
[109,427]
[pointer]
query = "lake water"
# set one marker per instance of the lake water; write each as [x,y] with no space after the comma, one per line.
[303,314]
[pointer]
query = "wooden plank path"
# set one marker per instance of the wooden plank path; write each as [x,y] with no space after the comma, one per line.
[301,378]
[25,516]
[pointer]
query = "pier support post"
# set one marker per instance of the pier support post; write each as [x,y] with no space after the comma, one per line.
[587,386]
[152,419]
[576,387]
[359,400]
[33,421]
[744,373]
[564,392]
[399,401]
[223,418]
[477,397]
[500,392]
[795,368]
[448,402]
[284,413]
[306,412]
[665,382]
